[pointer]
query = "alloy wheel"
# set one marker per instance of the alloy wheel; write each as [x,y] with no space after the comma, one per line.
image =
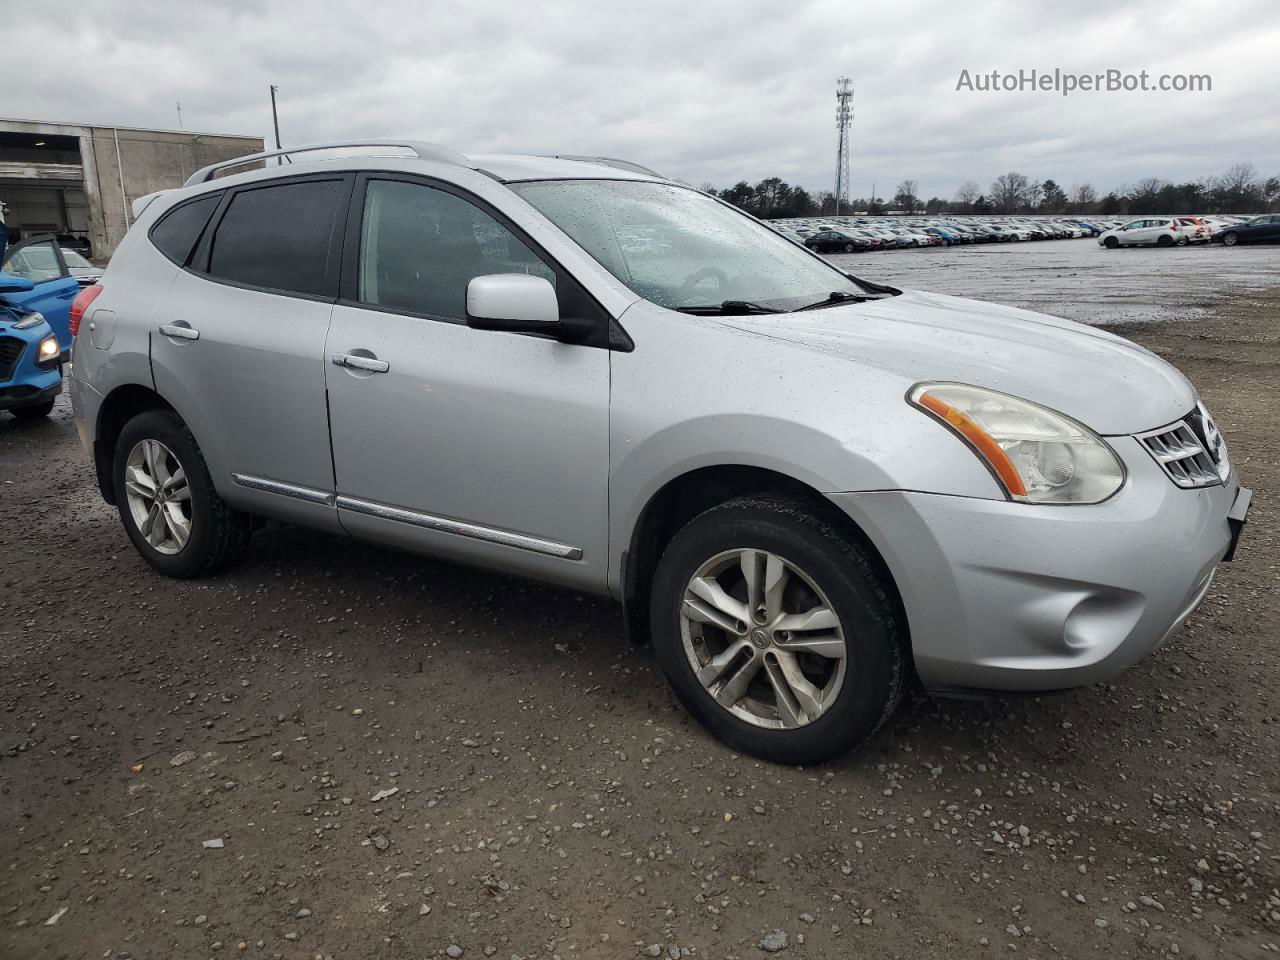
[158,495]
[763,639]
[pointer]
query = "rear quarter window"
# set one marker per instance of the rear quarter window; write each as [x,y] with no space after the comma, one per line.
[279,237]
[176,233]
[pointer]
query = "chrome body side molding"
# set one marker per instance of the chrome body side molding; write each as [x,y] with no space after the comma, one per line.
[427,521]
[460,528]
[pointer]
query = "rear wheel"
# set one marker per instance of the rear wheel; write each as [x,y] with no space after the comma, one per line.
[1164,241]
[166,498]
[1111,243]
[776,632]
[33,412]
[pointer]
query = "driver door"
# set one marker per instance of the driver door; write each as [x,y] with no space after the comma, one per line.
[482,446]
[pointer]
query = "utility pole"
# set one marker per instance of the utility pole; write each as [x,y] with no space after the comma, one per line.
[180,126]
[844,116]
[275,120]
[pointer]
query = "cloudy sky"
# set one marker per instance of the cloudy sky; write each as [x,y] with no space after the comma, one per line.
[705,91]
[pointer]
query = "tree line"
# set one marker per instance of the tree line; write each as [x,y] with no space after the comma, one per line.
[1239,190]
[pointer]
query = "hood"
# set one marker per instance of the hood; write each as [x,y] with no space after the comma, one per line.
[1104,381]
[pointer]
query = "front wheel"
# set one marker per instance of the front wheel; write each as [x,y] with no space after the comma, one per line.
[167,501]
[776,631]
[1230,239]
[1111,243]
[849,248]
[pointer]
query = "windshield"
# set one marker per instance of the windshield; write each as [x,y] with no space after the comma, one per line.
[75,261]
[681,249]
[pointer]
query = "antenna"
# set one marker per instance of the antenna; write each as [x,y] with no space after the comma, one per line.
[844,116]
[180,126]
[275,121]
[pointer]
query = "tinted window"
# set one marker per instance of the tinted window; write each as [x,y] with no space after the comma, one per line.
[278,237]
[36,262]
[420,247]
[176,234]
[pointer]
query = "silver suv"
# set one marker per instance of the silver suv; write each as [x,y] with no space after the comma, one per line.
[805,487]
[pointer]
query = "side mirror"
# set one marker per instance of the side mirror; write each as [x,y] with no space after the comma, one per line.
[9,283]
[520,303]
[514,302]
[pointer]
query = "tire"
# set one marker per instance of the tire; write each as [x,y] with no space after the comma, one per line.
[1230,239]
[33,412]
[849,248]
[215,532]
[1182,242]
[1165,241]
[858,691]
[1111,243]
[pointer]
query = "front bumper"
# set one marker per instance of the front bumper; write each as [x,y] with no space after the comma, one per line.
[1013,596]
[43,385]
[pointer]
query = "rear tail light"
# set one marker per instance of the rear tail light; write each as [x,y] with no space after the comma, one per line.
[80,304]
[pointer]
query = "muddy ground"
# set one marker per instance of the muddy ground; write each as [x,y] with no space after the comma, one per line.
[552,800]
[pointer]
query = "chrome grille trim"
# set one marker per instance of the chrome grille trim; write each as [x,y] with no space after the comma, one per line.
[1182,456]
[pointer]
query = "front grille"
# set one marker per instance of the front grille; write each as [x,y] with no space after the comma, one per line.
[1186,453]
[10,351]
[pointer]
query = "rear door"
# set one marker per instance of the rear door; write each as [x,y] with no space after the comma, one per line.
[238,347]
[40,260]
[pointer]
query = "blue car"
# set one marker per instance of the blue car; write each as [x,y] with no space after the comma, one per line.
[50,288]
[30,355]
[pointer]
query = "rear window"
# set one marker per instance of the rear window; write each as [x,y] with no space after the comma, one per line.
[279,237]
[177,232]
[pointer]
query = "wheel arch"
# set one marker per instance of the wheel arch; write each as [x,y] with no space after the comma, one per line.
[682,498]
[119,407]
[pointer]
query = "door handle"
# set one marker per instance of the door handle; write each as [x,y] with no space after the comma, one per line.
[181,331]
[354,362]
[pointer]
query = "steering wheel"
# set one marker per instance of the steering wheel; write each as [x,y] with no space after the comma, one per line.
[695,278]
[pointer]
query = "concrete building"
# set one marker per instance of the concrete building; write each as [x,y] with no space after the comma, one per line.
[80,181]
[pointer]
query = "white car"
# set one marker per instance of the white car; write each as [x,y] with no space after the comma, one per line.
[1159,231]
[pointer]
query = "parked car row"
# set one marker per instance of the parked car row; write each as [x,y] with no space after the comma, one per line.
[861,234]
[1168,231]
[864,234]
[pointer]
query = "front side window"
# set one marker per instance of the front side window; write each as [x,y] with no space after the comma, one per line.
[278,237]
[420,247]
[36,262]
[700,253]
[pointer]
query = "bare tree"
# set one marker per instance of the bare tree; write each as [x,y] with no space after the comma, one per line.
[967,194]
[908,195]
[1239,179]
[1083,197]
[1010,191]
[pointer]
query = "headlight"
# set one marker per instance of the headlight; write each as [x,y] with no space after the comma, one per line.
[1037,455]
[29,321]
[48,348]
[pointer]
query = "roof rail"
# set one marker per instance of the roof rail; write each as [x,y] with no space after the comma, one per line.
[424,151]
[611,162]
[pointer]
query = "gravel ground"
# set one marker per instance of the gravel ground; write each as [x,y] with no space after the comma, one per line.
[334,750]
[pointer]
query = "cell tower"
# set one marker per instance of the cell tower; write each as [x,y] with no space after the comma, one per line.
[844,116]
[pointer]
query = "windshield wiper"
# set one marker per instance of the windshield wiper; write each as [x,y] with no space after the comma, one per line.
[729,308]
[833,298]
